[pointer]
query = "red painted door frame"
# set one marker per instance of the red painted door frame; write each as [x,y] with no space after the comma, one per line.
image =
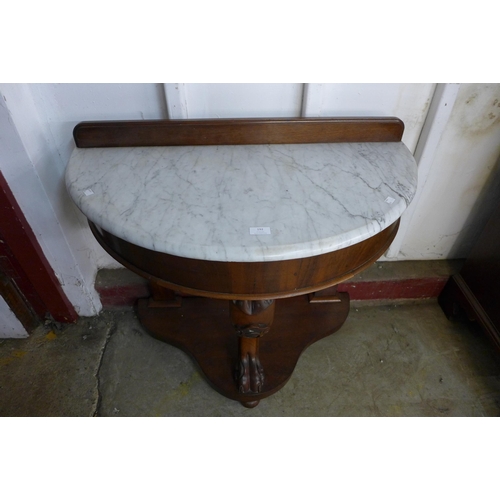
[25,263]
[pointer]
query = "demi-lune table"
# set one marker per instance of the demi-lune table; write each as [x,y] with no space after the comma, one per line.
[243,228]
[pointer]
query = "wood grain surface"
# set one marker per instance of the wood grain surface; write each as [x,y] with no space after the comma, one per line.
[107,134]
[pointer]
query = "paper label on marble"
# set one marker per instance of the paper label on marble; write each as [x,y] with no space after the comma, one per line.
[260,230]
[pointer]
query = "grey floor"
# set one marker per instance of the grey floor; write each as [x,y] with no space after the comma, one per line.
[393,360]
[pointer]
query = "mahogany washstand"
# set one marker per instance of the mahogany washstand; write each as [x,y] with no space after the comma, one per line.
[246,322]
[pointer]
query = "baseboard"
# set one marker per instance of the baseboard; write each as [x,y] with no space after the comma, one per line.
[120,288]
[395,289]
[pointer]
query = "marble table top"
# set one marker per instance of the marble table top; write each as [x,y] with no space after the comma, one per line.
[244,203]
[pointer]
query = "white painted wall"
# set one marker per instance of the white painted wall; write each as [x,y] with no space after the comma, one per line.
[25,182]
[462,185]
[408,101]
[234,100]
[10,326]
[457,150]
[36,123]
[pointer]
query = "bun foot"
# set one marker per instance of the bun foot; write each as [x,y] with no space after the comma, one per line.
[250,404]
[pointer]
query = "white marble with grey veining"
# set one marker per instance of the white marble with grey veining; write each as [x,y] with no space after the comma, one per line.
[201,201]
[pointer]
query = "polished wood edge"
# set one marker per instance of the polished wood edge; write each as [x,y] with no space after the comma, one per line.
[108,134]
[390,231]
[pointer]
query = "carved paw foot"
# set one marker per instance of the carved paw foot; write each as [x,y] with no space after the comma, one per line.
[250,375]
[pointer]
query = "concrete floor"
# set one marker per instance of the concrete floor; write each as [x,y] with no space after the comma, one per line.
[398,360]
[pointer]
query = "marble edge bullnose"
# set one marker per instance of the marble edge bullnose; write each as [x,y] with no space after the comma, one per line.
[108,210]
[261,252]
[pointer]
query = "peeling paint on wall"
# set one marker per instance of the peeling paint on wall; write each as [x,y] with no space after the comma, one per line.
[464,180]
[478,109]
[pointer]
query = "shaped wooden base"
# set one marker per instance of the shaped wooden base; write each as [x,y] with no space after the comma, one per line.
[202,328]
